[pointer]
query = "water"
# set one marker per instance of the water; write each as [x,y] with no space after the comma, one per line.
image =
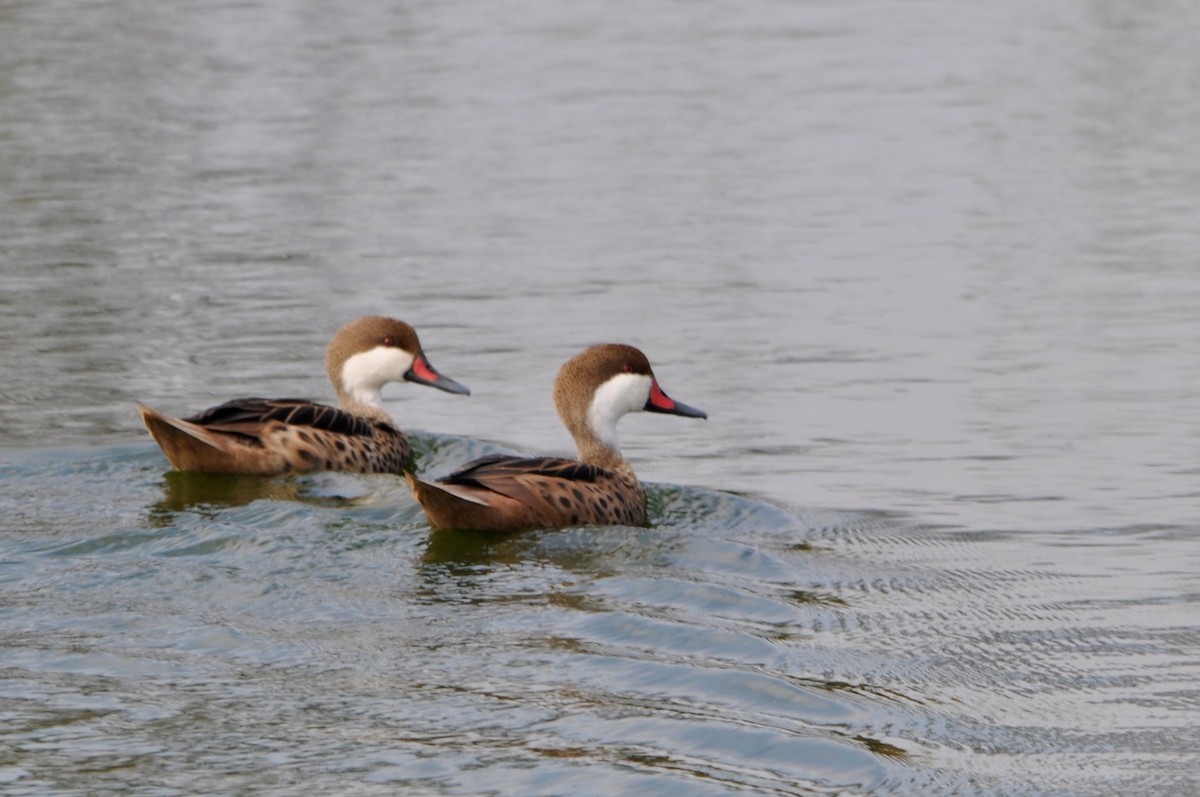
[930,269]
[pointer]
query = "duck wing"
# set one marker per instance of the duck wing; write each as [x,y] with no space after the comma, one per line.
[522,478]
[249,416]
[480,471]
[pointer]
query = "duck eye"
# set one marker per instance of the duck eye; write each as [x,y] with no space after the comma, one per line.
[389,341]
[627,368]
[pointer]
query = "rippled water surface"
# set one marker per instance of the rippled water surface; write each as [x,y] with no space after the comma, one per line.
[932,270]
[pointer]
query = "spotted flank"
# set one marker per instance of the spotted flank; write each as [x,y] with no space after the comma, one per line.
[558,492]
[308,436]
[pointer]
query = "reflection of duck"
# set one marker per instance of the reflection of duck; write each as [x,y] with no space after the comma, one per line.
[272,436]
[184,491]
[506,493]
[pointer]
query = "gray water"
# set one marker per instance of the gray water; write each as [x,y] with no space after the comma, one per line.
[931,267]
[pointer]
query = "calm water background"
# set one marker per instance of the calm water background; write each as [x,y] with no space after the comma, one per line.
[932,269]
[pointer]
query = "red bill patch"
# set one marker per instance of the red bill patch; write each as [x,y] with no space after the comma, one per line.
[423,371]
[660,399]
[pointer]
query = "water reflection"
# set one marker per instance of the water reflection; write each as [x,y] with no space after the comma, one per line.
[189,491]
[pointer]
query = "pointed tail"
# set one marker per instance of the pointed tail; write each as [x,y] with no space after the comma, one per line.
[446,507]
[189,446]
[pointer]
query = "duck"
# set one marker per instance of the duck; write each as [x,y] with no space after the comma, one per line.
[502,492]
[270,437]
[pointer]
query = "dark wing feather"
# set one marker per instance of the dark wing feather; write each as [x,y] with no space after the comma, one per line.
[242,416]
[520,478]
[479,472]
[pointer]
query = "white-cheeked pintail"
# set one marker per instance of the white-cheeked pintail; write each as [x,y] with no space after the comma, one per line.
[274,436]
[509,493]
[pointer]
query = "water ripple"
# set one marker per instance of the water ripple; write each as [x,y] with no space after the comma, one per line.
[839,652]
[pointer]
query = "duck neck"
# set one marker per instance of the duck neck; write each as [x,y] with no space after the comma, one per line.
[594,451]
[365,404]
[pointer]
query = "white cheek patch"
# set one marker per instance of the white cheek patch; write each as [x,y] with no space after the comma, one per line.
[365,374]
[620,394]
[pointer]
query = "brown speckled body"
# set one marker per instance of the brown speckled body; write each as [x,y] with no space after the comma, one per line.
[509,493]
[519,493]
[274,436]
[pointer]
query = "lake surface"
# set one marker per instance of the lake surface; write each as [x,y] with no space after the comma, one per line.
[933,271]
